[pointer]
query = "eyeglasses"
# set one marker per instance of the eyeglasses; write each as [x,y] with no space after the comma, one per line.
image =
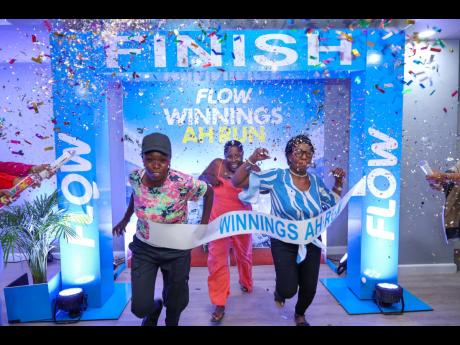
[300,153]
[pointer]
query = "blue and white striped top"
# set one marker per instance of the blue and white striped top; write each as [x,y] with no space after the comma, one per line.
[288,201]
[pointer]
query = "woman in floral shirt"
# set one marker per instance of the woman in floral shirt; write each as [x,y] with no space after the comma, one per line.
[160,195]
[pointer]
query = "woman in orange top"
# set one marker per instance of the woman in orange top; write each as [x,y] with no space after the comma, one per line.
[218,174]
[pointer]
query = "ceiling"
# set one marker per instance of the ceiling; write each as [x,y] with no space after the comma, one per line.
[448,28]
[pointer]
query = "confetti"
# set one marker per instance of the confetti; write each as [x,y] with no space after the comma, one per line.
[20,153]
[387,36]
[47,25]
[379,88]
[217,53]
[454,93]
[28,142]
[48,148]
[15,141]
[445,110]
[34,38]
[11,61]
[435,50]
[41,136]
[207,65]
[37,59]
[432,92]
[355,52]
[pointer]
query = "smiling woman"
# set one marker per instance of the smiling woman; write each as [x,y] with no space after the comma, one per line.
[296,194]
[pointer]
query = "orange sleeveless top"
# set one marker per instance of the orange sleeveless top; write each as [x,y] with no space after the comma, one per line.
[226,198]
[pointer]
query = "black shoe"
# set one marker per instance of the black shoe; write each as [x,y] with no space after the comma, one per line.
[300,320]
[279,300]
[152,319]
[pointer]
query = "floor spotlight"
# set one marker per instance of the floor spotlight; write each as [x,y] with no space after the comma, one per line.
[342,267]
[387,294]
[73,301]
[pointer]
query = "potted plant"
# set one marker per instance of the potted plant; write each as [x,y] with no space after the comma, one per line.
[33,228]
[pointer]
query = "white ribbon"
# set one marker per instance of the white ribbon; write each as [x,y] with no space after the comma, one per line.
[188,236]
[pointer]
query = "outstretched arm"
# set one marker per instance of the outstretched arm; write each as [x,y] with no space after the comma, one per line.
[241,177]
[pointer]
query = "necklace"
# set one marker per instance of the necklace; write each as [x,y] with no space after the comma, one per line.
[298,175]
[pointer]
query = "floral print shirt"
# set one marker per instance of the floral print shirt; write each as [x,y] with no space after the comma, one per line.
[164,204]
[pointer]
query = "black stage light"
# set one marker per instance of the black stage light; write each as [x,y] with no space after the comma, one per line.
[73,301]
[342,267]
[387,294]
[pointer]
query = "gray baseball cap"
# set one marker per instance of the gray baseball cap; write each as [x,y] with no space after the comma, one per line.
[156,142]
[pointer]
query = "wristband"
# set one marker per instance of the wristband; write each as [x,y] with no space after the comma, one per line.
[249,161]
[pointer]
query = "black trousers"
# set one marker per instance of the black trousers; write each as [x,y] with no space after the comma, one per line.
[175,268]
[291,276]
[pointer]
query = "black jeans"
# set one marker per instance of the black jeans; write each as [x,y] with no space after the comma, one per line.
[290,275]
[175,268]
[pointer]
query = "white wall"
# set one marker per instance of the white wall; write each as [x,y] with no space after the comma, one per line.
[429,133]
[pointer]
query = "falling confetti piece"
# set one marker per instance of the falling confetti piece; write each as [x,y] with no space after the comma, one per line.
[47,25]
[387,36]
[357,80]
[454,93]
[34,38]
[20,153]
[379,88]
[15,141]
[48,148]
[28,142]
[432,92]
[37,59]
[207,65]
[388,85]
[355,52]
[445,110]
[41,136]
[217,53]
[435,50]
[11,61]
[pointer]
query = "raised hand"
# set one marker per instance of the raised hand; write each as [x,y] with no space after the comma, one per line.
[259,154]
[338,174]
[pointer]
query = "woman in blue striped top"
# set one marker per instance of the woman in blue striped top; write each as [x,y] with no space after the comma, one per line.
[297,195]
